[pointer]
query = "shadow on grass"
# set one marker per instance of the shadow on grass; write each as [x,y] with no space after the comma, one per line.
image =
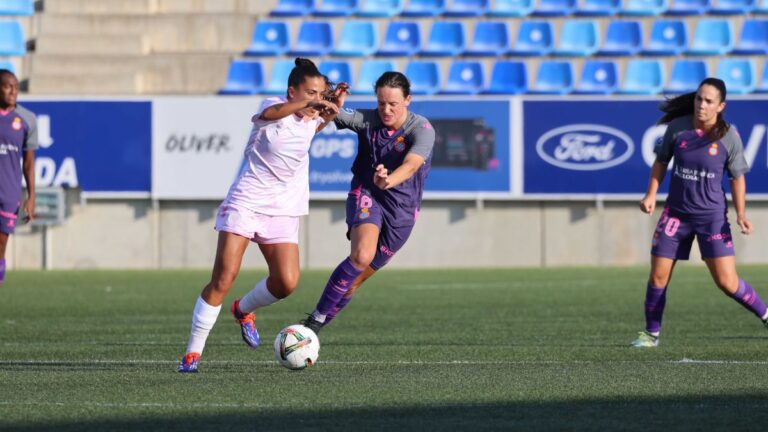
[727,413]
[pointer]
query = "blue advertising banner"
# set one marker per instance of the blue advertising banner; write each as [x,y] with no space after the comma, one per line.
[98,146]
[471,155]
[606,147]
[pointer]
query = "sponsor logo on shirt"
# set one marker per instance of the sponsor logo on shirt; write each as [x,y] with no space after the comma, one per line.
[585,147]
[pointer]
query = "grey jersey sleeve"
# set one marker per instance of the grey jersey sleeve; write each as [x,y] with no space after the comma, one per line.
[423,137]
[736,164]
[666,150]
[30,141]
[355,120]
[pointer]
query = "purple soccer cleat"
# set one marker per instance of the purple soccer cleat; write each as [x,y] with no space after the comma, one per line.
[189,363]
[247,325]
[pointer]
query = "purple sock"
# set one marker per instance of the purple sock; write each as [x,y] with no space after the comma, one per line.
[2,270]
[338,285]
[336,309]
[655,300]
[747,297]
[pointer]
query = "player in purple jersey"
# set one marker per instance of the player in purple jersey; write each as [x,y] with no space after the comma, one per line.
[18,141]
[704,147]
[263,206]
[393,159]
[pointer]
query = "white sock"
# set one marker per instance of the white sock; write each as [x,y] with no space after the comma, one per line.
[203,319]
[258,297]
[318,316]
[765,317]
[654,334]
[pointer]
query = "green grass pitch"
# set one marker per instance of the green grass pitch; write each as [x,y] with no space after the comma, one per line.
[485,349]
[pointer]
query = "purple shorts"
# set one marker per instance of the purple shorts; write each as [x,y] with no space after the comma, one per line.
[362,208]
[674,236]
[8,219]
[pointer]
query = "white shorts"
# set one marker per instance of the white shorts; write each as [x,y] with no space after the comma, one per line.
[260,228]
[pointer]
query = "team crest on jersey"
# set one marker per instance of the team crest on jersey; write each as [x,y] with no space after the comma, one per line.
[400,144]
[713,149]
[683,144]
[364,213]
[16,125]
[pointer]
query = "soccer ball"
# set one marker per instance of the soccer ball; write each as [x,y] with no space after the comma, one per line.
[297,347]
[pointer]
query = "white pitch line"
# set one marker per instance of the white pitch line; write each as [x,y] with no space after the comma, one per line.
[137,404]
[684,361]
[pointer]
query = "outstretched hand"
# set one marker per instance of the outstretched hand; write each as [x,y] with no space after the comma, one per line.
[381,177]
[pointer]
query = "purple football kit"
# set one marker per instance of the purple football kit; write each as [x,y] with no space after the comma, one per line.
[394,210]
[696,204]
[18,133]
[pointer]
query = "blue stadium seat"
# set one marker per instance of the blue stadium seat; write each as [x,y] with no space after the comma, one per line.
[466,8]
[578,39]
[12,42]
[424,77]
[424,8]
[293,8]
[761,7]
[17,7]
[315,39]
[686,76]
[245,77]
[738,75]
[4,64]
[534,38]
[278,79]
[490,39]
[553,78]
[598,77]
[357,39]
[688,7]
[511,8]
[623,38]
[668,38]
[712,37]
[762,87]
[508,77]
[270,38]
[446,39]
[380,8]
[643,77]
[336,8]
[464,78]
[370,71]
[403,39]
[732,7]
[552,8]
[336,71]
[753,39]
[599,8]
[644,7]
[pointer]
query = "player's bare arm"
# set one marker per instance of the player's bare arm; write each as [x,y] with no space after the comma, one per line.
[386,180]
[648,203]
[738,194]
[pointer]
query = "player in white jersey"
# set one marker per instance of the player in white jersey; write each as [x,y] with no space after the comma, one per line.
[264,205]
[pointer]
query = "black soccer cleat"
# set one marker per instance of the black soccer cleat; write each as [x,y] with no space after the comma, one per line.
[311,323]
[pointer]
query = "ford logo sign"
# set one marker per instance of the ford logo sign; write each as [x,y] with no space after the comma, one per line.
[585,147]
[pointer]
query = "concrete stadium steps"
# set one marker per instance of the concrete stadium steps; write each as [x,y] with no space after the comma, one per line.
[149,7]
[165,33]
[126,44]
[138,74]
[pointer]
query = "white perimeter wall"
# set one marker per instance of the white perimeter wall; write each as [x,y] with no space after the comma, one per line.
[141,234]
